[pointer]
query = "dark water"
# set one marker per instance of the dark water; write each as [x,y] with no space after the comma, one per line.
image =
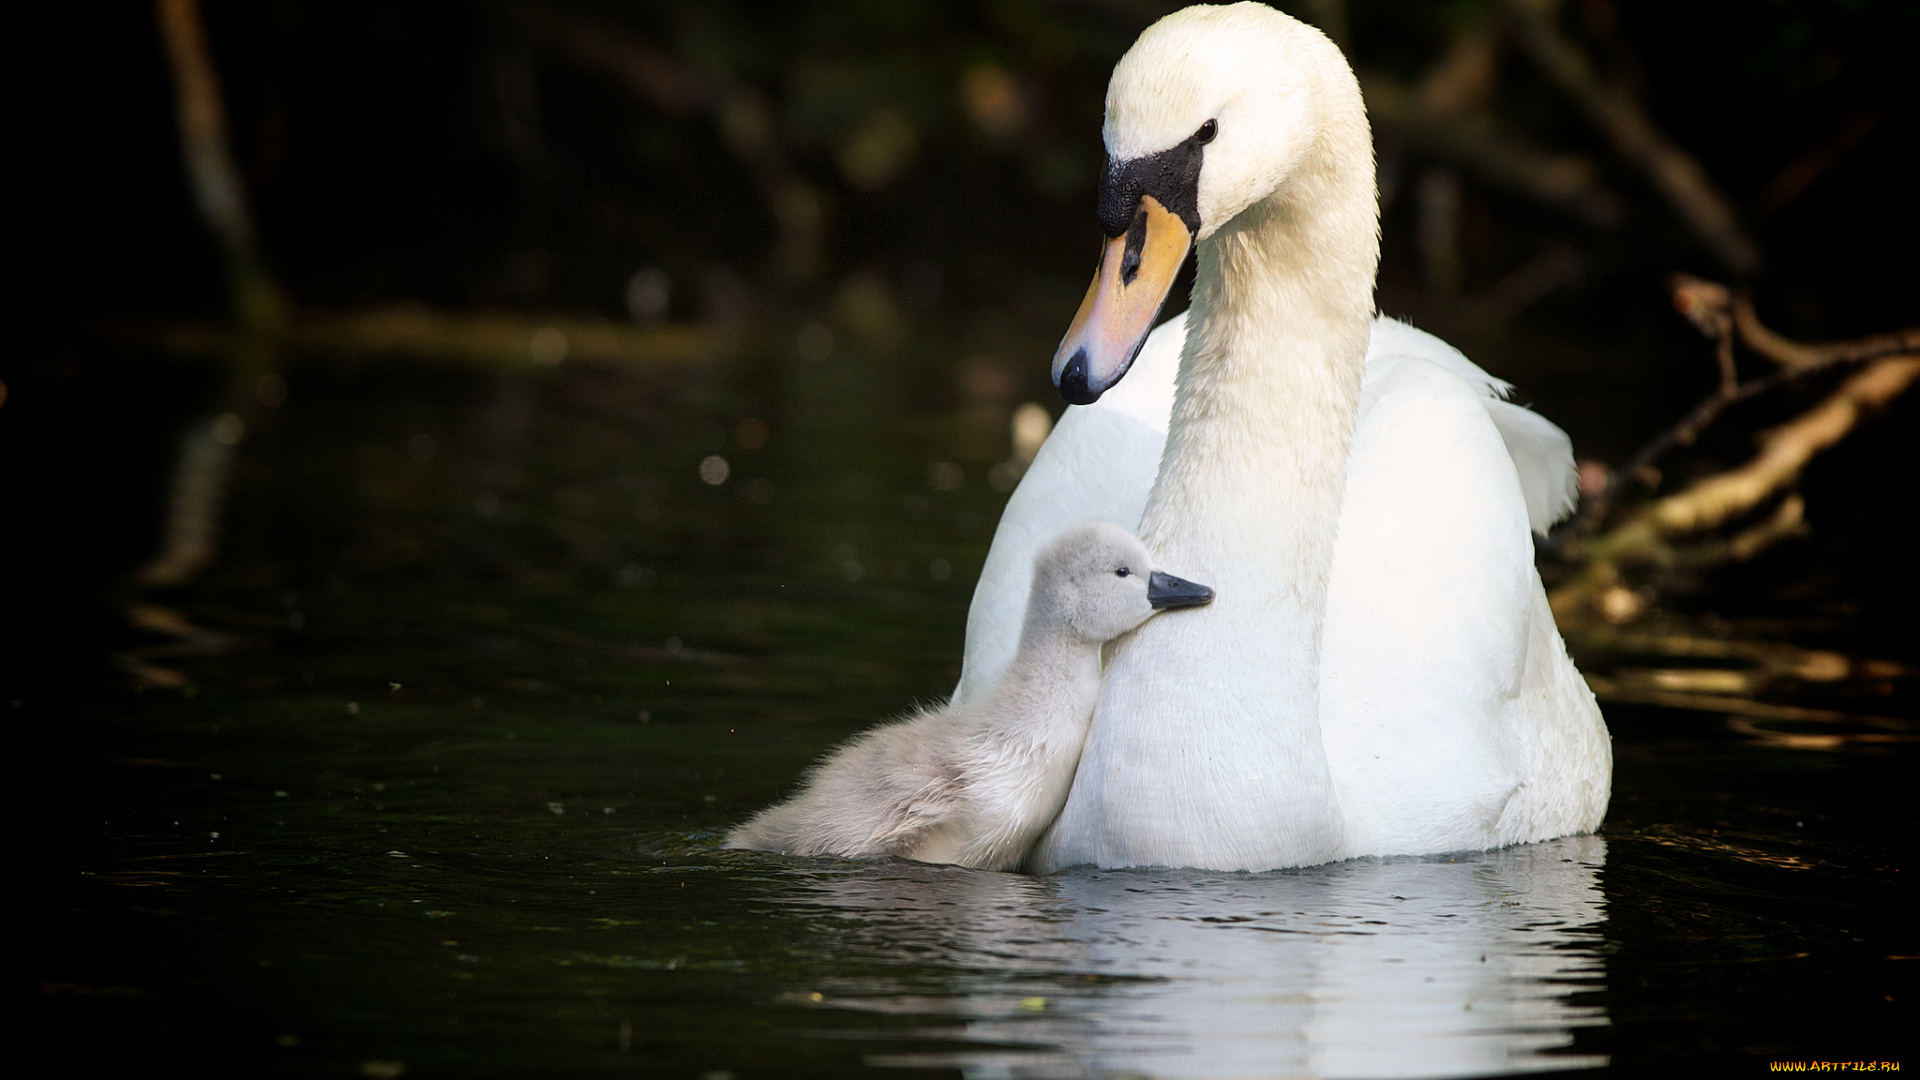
[448,799]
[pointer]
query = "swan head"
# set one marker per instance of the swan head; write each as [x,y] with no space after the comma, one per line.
[1213,110]
[1101,582]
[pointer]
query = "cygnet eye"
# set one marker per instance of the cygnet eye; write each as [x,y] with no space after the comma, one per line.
[1122,572]
[1206,133]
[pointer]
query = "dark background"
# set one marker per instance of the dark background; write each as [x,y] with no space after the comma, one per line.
[452,154]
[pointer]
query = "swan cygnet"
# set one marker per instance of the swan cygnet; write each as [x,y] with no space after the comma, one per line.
[975,782]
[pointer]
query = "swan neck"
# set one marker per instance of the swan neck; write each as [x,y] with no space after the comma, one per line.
[1248,499]
[1269,382]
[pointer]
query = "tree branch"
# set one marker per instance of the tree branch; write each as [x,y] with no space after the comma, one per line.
[208,156]
[1798,357]
[1613,109]
[486,339]
[1722,314]
[1568,183]
[1784,452]
[741,113]
[204,463]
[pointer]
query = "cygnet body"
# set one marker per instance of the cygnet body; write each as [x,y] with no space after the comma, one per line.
[975,782]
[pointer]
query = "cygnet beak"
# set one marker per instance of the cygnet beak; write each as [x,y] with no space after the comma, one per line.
[1166,591]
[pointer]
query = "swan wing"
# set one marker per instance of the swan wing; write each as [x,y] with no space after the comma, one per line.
[1098,464]
[1100,461]
[1429,610]
[1542,454]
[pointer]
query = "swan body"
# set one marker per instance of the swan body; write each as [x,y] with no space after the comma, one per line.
[975,782]
[1381,674]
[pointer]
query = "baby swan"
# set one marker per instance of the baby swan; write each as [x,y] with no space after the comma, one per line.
[974,783]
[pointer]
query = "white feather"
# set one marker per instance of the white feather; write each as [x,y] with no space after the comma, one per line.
[974,782]
[1380,673]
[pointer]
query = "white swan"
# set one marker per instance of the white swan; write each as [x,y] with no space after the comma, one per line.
[975,783]
[1381,674]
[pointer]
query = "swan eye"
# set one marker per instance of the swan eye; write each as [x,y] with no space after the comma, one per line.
[1122,572]
[1206,133]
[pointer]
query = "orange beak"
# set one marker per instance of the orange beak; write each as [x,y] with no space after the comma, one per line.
[1136,273]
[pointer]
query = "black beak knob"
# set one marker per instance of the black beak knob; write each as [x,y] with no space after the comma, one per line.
[1073,381]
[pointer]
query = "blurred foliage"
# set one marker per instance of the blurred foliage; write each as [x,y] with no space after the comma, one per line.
[480,156]
[461,154]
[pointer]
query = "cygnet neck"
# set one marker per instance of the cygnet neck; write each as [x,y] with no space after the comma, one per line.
[1054,675]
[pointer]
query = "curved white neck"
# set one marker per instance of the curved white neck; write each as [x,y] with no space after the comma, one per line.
[1269,381]
[1206,748]
[1248,499]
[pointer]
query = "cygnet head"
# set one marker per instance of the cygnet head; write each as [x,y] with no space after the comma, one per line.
[1213,110]
[1100,581]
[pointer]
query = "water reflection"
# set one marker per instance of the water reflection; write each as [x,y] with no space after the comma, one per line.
[1404,967]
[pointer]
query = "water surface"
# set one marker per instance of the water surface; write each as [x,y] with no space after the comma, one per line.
[448,801]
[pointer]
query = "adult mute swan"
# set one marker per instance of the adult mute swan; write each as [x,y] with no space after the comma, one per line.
[1380,674]
[974,783]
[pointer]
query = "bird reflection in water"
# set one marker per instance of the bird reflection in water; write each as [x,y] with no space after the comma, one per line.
[1444,965]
